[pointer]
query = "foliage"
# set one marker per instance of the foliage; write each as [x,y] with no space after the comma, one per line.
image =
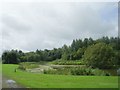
[88,71]
[67,62]
[100,55]
[11,56]
[60,71]
[28,65]
[79,49]
[77,71]
[118,72]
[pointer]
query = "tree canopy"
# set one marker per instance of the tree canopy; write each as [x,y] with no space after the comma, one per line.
[102,53]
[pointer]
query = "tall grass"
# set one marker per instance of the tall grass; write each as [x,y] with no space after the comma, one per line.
[67,62]
[28,65]
[77,71]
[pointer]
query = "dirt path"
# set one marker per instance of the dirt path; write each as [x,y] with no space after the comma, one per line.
[9,83]
[0,81]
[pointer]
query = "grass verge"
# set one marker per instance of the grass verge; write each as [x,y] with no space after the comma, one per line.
[35,80]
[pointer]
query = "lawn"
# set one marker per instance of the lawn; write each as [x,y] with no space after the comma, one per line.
[35,80]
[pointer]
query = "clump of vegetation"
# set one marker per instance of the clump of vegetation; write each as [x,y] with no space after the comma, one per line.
[67,62]
[59,71]
[28,65]
[100,56]
[88,71]
[118,72]
[77,71]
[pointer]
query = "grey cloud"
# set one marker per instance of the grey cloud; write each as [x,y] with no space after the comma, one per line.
[47,25]
[14,23]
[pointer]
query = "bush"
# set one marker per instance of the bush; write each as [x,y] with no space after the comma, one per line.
[77,71]
[81,71]
[22,67]
[68,62]
[28,65]
[98,72]
[59,71]
[118,72]
[49,71]
[88,71]
[100,56]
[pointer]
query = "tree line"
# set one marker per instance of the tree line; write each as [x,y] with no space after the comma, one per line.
[104,51]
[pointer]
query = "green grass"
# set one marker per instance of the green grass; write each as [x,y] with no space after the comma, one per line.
[35,80]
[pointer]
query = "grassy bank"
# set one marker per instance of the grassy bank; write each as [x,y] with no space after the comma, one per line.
[35,80]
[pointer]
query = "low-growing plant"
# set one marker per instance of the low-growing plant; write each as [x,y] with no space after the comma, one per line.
[28,65]
[118,72]
[81,71]
[77,71]
[60,71]
[22,67]
[68,62]
[88,71]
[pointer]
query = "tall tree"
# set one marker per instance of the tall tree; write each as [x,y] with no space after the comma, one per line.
[99,55]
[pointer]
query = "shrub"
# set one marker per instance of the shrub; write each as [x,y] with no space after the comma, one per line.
[59,71]
[81,71]
[98,72]
[118,72]
[88,71]
[77,71]
[100,56]
[22,67]
[28,65]
[49,71]
[68,62]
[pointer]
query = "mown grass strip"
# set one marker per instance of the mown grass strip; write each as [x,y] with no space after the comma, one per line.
[35,80]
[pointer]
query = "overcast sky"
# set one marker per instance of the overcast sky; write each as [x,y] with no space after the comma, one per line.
[30,26]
